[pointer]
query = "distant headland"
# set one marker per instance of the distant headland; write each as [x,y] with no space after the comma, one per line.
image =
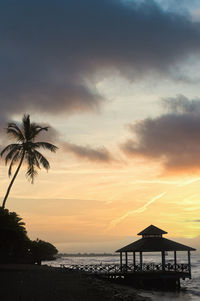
[85,254]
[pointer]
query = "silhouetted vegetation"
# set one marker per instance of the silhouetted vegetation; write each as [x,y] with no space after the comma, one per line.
[42,250]
[25,149]
[15,245]
[14,242]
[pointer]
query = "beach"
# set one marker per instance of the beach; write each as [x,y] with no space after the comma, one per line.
[41,283]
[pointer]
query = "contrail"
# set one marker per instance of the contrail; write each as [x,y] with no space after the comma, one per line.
[189,182]
[178,182]
[116,221]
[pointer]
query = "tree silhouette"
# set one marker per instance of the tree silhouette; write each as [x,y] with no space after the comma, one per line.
[42,250]
[15,245]
[25,149]
[14,242]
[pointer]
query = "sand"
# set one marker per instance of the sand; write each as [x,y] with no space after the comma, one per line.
[42,283]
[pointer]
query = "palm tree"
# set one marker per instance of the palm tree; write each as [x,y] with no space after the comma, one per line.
[25,149]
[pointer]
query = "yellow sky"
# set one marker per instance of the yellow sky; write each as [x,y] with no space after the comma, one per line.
[86,207]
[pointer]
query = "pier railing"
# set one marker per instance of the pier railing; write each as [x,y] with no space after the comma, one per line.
[116,269]
[158,267]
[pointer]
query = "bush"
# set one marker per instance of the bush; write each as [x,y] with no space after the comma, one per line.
[42,250]
[14,242]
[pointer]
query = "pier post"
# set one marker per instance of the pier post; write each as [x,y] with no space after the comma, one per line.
[163,260]
[189,263]
[178,284]
[121,261]
[126,256]
[140,261]
[175,260]
[134,260]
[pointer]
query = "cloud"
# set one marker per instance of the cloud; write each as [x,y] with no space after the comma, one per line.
[99,155]
[88,153]
[182,105]
[177,5]
[52,51]
[173,138]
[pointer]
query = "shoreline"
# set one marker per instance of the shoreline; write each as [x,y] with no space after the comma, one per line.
[41,283]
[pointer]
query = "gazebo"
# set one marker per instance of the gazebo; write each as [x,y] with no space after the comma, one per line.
[153,241]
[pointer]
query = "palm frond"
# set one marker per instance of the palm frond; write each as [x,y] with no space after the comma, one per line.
[47,146]
[11,154]
[32,159]
[36,129]
[42,160]
[31,173]
[26,126]
[9,148]
[31,130]
[15,131]
[32,162]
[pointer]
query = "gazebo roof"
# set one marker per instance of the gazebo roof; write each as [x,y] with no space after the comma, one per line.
[152,230]
[154,244]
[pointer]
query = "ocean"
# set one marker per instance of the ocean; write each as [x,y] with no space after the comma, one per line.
[190,288]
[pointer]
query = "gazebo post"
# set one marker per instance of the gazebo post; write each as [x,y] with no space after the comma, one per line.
[140,261]
[126,256]
[163,260]
[134,260]
[121,261]
[153,241]
[189,263]
[175,261]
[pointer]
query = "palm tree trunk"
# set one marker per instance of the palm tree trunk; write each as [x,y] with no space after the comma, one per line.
[12,181]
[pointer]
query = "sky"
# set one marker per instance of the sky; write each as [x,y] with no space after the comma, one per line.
[117,82]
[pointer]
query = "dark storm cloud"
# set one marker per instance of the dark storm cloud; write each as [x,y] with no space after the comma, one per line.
[86,152]
[173,138]
[52,50]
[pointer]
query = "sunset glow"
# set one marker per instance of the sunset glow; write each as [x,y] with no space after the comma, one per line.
[121,96]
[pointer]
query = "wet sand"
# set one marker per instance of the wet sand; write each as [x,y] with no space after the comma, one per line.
[42,283]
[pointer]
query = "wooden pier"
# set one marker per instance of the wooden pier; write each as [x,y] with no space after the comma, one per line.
[151,276]
[115,270]
[147,275]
